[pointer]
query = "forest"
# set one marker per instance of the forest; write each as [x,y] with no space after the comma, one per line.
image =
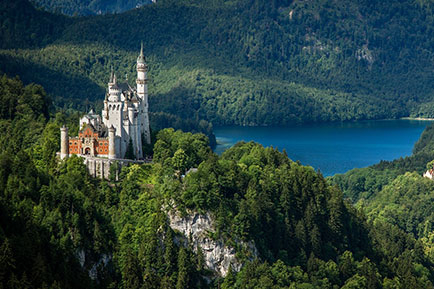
[395,191]
[243,62]
[89,7]
[219,62]
[61,228]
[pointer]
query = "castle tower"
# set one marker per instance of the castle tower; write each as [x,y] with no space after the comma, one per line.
[113,88]
[112,114]
[64,142]
[142,75]
[142,93]
[112,144]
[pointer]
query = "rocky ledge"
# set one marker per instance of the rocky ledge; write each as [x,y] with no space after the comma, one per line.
[197,228]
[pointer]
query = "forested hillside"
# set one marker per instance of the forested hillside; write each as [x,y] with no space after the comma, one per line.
[89,7]
[244,62]
[396,193]
[60,228]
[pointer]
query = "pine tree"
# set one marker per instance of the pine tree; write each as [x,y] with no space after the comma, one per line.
[7,261]
[169,253]
[130,272]
[129,154]
[230,279]
[183,269]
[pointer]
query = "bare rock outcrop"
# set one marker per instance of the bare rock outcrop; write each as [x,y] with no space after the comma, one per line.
[218,256]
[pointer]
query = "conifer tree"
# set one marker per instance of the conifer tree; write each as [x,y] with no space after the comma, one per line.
[183,269]
[129,154]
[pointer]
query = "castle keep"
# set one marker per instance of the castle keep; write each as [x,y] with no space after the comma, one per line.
[123,125]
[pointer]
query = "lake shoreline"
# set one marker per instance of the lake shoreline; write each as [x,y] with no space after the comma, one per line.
[418,118]
[332,148]
[295,125]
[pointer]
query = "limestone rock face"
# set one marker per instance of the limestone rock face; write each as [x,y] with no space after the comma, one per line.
[92,265]
[218,256]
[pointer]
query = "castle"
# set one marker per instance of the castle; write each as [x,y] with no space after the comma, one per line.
[123,126]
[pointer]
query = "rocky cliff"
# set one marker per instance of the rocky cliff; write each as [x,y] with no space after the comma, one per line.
[197,229]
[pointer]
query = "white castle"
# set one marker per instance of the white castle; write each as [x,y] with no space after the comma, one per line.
[125,119]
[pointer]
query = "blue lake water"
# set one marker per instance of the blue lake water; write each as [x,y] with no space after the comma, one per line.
[332,147]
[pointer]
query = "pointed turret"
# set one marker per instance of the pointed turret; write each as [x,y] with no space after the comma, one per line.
[141,74]
[142,97]
[113,88]
[141,58]
[111,75]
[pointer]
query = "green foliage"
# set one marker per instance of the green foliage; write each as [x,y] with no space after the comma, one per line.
[366,182]
[237,62]
[162,120]
[47,223]
[129,154]
[27,27]
[426,141]
[88,7]
[430,165]
[396,193]
[24,111]
[22,102]
[292,214]
[180,151]
[408,202]
[61,228]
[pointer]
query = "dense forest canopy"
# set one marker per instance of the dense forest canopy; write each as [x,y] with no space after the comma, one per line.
[395,192]
[61,228]
[89,7]
[243,62]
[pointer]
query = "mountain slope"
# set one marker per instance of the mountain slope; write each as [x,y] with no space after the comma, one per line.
[396,193]
[88,7]
[250,62]
[60,228]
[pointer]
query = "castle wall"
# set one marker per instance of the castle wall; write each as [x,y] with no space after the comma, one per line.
[100,168]
[75,146]
[124,139]
[97,145]
[115,116]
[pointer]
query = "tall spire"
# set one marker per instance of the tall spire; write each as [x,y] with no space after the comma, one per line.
[111,74]
[141,58]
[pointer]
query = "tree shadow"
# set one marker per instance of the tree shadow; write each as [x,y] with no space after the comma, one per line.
[68,90]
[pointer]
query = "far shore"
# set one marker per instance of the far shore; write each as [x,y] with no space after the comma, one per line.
[418,118]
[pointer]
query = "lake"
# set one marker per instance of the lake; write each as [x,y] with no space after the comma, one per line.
[332,147]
